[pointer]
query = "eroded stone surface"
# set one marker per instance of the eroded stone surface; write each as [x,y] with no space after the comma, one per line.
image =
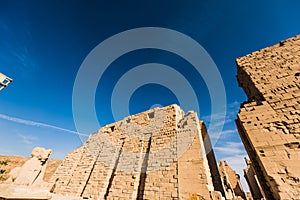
[157,154]
[252,181]
[26,182]
[231,181]
[269,123]
[33,170]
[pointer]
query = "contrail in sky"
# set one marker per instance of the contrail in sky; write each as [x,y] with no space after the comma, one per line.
[38,124]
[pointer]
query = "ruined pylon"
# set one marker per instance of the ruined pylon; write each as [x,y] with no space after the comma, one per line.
[231,181]
[157,154]
[269,123]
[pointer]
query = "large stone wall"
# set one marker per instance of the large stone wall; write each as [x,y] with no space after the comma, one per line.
[252,180]
[214,170]
[269,123]
[231,181]
[157,154]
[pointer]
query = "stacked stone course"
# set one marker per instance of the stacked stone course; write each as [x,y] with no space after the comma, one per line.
[231,181]
[157,154]
[269,123]
[252,180]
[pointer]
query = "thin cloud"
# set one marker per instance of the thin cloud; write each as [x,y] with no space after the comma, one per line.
[216,116]
[219,118]
[223,134]
[231,148]
[220,123]
[217,121]
[229,131]
[229,114]
[28,139]
[234,104]
[38,124]
[234,153]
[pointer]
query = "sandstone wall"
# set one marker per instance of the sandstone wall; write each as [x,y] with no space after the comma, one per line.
[157,154]
[231,181]
[269,123]
[252,180]
[216,179]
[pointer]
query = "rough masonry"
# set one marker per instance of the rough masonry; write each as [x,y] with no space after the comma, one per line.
[157,154]
[231,181]
[269,122]
[252,180]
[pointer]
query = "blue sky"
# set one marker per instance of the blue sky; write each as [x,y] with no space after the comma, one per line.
[43,44]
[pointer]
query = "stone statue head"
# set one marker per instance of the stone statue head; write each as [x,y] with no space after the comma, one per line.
[41,153]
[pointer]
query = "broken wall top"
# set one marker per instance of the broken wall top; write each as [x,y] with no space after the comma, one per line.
[269,123]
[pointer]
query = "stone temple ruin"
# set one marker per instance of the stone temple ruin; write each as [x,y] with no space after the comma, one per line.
[157,154]
[231,181]
[269,123]
[165,154]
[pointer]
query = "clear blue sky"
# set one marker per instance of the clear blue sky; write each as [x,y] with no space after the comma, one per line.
[43,44]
